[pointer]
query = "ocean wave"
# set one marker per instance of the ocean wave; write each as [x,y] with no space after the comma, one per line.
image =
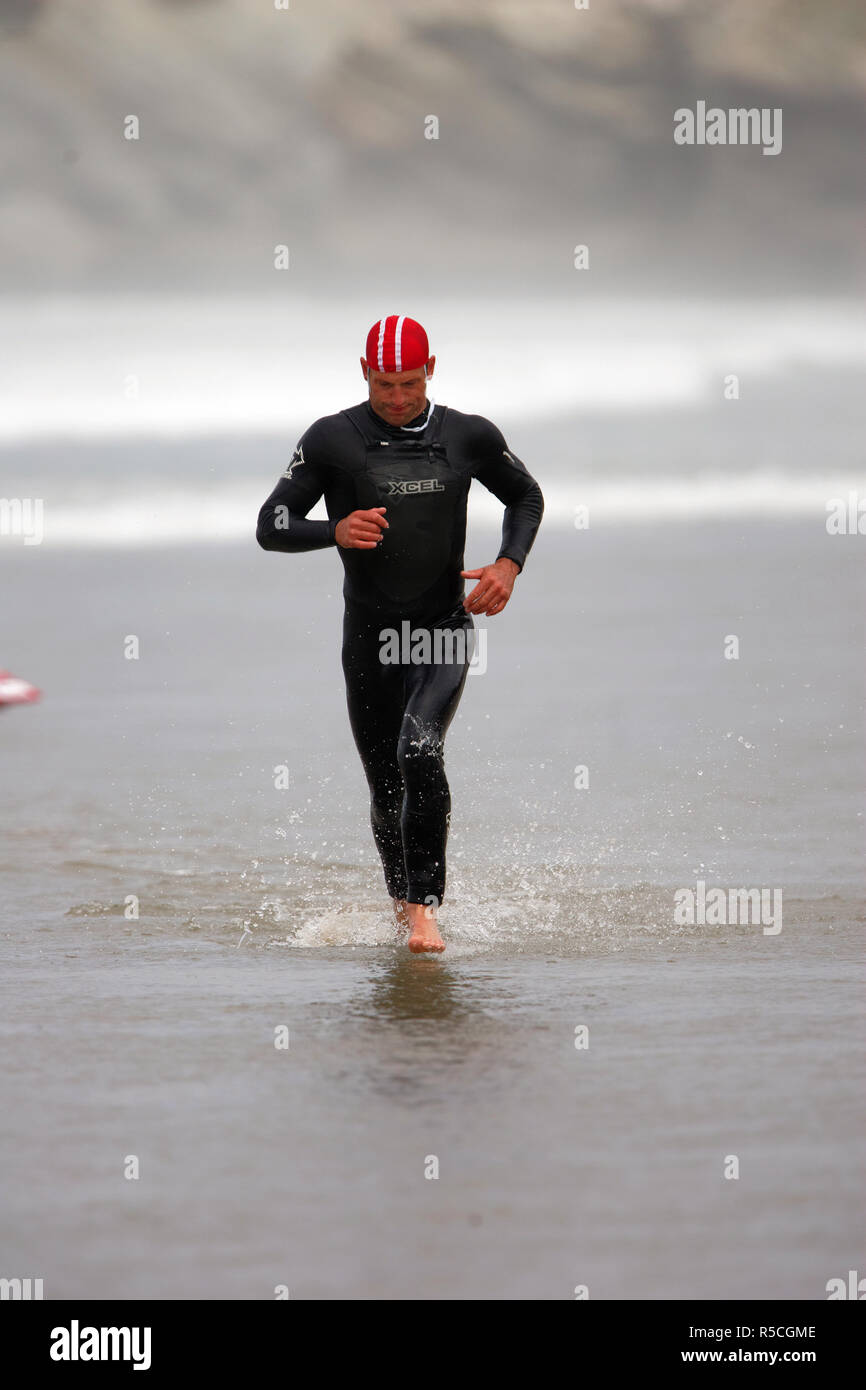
[168,366]
[228,512]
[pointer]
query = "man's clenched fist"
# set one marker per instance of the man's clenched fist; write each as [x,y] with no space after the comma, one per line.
[361,530]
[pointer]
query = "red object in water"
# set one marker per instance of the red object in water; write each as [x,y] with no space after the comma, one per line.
[15,691]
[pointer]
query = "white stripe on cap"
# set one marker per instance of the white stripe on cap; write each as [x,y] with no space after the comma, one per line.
[381,347]
[398,344]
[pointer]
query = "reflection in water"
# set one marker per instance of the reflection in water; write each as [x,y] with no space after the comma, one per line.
[422,987]
[423,1019]
[405,1028]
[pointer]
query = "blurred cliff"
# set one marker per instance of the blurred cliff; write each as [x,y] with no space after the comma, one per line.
[306,127]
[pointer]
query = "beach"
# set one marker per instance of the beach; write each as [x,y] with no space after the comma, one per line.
[566,1158]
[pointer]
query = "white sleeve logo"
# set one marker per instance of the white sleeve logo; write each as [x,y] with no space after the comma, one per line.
[297,460]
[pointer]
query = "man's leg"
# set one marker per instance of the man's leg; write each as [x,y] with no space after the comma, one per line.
[375,699]
[432,695]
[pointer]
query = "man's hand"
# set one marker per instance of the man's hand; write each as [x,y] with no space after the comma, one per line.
[493,591]
[361,530]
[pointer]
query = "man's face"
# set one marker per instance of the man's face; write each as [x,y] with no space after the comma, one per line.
[398,396]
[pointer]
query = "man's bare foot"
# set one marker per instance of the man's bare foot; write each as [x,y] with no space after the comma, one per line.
[424,930]
[400,913]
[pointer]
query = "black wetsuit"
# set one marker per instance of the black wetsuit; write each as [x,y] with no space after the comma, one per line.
[400,712]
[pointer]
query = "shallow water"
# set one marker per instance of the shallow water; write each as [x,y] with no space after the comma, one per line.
[306,1167]
[154,1036]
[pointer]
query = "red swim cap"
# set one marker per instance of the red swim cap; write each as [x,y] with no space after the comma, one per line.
[397,344]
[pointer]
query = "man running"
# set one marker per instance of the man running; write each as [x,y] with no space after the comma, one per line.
[395,472]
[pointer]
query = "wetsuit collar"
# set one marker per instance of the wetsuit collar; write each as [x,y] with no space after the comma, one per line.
[416,426]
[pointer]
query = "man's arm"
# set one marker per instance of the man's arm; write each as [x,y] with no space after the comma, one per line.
[503,474]
[283,523]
